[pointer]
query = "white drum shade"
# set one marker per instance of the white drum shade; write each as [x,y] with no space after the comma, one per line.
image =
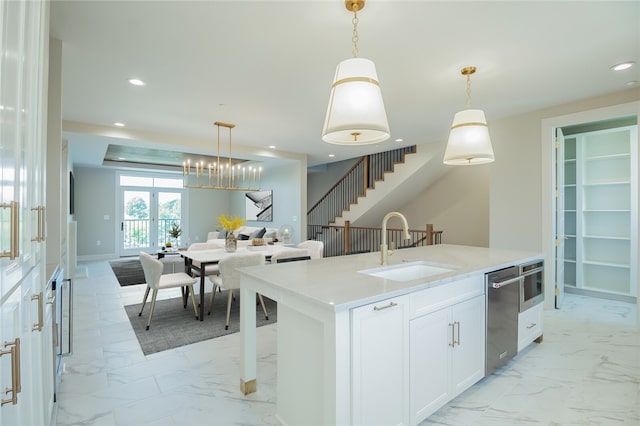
[356,114]
[469,141]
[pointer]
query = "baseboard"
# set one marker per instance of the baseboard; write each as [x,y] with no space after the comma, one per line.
[95,257]
[600,294]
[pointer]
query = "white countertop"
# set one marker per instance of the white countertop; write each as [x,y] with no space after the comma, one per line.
[335,283]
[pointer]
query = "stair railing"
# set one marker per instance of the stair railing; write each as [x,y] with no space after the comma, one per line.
[347,239]
[353,184]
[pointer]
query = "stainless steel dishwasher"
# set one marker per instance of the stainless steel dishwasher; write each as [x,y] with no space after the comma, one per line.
[503,301]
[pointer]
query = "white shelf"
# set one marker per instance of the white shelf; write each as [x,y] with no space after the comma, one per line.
[606,237]
[607,264]
[607,211]
[622,182]
[599,187]
[624,155]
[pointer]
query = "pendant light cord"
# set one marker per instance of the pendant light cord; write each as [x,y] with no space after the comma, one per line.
[354,38]
[468,90]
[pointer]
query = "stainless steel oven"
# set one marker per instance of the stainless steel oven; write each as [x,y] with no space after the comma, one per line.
[532,284]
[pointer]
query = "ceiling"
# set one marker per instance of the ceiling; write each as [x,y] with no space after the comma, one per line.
[267,66]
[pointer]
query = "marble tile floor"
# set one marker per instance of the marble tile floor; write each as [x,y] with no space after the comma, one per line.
[586,372]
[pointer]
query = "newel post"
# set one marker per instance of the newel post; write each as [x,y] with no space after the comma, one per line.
[347,236]
[429,234]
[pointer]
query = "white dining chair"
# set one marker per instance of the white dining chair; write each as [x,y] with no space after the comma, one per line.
[313,247]
[152,268]
[290,253]
[229,278]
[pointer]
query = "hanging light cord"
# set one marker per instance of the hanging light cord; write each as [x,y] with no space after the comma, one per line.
[354,38]
[468,90]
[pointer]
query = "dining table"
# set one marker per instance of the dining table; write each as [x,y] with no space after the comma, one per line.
[196,261]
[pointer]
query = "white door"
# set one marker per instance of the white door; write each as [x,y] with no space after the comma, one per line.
[559,234]
[147,216]
[467,365]
[431,337]
[379,344]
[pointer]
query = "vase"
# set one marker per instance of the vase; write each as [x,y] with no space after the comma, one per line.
[230,243]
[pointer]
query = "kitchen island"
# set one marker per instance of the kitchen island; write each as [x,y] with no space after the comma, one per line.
[355,347]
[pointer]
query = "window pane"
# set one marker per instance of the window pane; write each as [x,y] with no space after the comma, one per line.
[136,181]
[167,183]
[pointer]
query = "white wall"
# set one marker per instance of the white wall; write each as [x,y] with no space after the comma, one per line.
[516,176]
[321,178]
[288,182]
[457,204]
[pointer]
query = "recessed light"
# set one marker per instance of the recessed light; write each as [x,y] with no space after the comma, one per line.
[631,83]
[136,82]
[623,66]
[399,140]
[118,124]
[272,146]
[332,155]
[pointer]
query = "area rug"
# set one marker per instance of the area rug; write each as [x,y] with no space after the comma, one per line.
[128,272]
[173,326]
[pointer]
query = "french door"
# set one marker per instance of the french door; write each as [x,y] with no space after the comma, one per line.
[146,217]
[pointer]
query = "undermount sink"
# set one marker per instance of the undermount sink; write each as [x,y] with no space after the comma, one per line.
[407,271]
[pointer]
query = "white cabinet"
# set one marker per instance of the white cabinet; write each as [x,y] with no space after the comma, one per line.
[23,72]
[446,354]
[529,326]
[379,362]
[600,207]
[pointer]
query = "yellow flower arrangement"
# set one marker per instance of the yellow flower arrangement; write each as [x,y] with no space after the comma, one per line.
[230,223]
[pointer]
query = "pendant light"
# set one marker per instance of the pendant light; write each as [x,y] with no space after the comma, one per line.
[469,142]
[356,114]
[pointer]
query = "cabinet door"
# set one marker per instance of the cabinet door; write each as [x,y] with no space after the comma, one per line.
[467,366]
[10,330]
[379,342]
[431,337]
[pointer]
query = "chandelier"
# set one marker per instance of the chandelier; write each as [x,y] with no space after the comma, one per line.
[224,173]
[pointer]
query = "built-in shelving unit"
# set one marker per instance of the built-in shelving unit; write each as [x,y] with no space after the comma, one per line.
[600,194]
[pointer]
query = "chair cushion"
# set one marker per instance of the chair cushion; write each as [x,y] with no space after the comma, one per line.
[178,279]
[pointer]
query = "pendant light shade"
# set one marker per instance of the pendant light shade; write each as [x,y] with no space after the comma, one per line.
[356,114]
[469,141]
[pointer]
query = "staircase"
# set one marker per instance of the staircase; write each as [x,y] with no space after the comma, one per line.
[374,186]
[409,179]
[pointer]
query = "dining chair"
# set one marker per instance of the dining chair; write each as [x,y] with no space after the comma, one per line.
[313,247]
[209,269]
[229,278]
[288,254]
[152,268]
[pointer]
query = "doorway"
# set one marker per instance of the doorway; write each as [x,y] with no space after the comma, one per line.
[600,241]
[149,207]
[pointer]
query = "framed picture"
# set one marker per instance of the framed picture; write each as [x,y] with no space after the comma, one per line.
[259,205]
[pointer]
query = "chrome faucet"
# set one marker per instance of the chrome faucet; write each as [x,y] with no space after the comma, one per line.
[384,250]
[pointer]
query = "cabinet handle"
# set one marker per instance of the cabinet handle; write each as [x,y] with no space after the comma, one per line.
[531,325]
[38,326]
[458,342]
[41,224]
[51,300]
[390,305]
[14,238]
[453,338]
[16,386]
